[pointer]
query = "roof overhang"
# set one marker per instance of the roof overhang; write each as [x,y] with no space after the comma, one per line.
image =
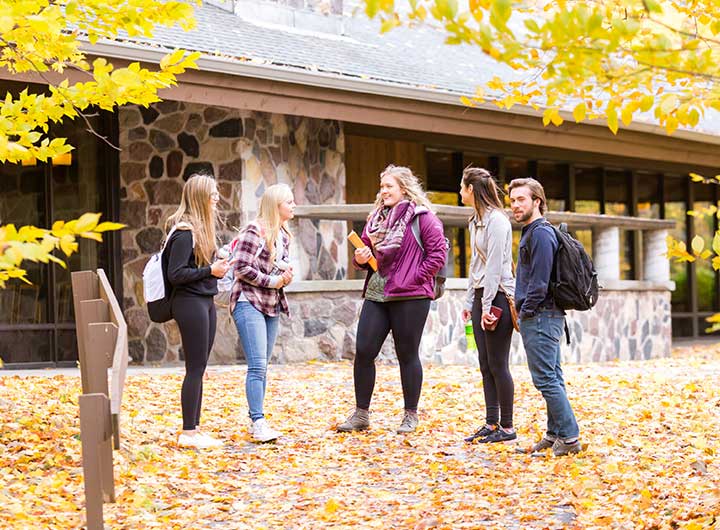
[336,81]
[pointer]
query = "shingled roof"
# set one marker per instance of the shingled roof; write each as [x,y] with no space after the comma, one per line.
[404,57]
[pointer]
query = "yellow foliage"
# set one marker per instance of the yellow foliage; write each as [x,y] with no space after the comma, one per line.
[637,475]
[34,36]
[651,56]
[40,36]
[37,244]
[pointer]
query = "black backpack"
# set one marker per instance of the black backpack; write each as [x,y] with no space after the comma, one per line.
[574,283]
[441,276]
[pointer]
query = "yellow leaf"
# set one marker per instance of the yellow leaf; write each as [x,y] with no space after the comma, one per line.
[579,112]
[68,244]
[107,226]
[87,222]
[697,244]
[612,121]
[331,506]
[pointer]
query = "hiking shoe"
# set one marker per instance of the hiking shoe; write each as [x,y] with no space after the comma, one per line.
[359,420]
[482,432]
[538,449]
[261,431]
[198,441]
[499,435]
[562,448]
[409,422]
[543,444]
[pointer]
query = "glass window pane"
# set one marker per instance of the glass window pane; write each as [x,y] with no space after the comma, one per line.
[453,233]
[22,202]
[66,346]
[440,170]
[554,178]
[682,327]
[617,202]
[704,226]
[25,346]
[675,207]
[648,205]
[648,195]
[515,168]
[588,181]
[703,326]
[76,190]
[478,160]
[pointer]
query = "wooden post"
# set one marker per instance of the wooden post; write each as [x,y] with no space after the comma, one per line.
[84,287]
[102,336]
[94,410]
[102,343]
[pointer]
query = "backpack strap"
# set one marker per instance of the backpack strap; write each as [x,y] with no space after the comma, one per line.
[178,226]
[415,228]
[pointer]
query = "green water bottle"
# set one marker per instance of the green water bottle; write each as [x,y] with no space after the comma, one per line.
[470,336]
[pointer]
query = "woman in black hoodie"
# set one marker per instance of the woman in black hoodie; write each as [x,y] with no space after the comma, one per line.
[193,274]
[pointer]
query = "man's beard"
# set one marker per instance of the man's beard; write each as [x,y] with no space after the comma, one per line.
[525,217]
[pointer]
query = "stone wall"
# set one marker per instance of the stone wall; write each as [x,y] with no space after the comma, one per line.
[623,325]
[246,151]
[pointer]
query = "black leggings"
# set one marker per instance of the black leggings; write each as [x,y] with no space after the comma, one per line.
[406,320]
[196,317]
[494,355]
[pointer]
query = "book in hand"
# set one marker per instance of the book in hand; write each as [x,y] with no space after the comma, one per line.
[359,243]
[497,313]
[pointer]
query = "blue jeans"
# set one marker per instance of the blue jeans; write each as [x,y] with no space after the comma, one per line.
[257,333]
[541,337]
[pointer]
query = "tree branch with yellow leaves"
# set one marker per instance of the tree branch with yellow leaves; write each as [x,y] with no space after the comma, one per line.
[47,36]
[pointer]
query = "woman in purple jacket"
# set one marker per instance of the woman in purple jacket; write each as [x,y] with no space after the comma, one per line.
[398,295]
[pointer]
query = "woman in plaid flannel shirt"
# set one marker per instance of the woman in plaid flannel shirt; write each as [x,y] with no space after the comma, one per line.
[262,270]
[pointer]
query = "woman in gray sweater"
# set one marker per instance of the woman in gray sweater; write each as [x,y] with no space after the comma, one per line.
[490,282]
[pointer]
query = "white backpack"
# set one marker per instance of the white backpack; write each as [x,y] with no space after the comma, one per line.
[157,298]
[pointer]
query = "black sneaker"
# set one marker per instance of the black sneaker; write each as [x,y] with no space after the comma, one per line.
[499,435]
[482,432]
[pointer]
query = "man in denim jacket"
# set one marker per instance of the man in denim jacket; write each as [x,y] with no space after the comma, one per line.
[542,323]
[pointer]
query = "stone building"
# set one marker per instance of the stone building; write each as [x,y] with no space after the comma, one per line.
[299,92]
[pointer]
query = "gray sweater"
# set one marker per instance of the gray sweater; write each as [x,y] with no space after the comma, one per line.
[491,262]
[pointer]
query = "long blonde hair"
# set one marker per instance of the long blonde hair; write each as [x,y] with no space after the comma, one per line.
[269,214]
[195,210]
[409,184]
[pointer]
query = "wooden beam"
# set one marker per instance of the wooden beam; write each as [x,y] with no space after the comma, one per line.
[459,215]
[84,287]
[238,92]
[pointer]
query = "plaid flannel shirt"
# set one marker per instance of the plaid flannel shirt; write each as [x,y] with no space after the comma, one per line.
[254,273]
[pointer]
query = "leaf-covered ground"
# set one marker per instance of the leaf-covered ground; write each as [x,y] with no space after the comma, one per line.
[651,462]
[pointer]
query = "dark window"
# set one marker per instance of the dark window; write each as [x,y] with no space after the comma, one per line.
[675,206]
[515,168]
[441,175]
[648,194]
[682,327]
[588,195]
[704,225]
[554,178]
[37,320]
[617,202]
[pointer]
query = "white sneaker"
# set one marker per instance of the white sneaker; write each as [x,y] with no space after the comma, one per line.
[209,440]
[261,431]
[198,441]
